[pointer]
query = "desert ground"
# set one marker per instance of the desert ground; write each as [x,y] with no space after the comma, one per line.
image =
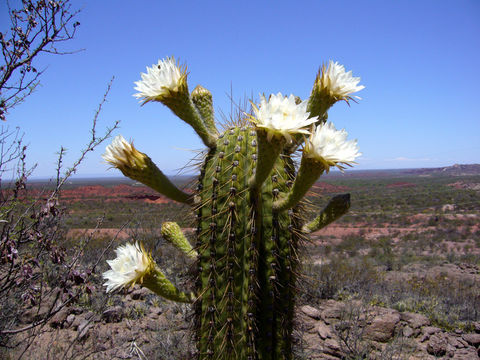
[397,277]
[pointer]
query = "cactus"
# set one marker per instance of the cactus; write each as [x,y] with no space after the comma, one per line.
[248,205]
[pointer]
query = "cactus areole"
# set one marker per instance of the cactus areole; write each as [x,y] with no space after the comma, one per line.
[248,207]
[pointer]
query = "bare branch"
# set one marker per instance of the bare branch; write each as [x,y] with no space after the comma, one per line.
[94,142]
[37,27]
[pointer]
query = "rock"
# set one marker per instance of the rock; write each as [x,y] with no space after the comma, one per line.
[59,318]
[415,320]
[450,350]
[427,331]
[113,314]
[332,347]
[309,327]
[35,313]
[83,328]
[472,339]
[69,320]
[437,345]
[455,342]
[77,310]
[407,331]
[140,294]
[382,327]
[79,319]
[324,331]
[333,310]
[465,354]
[311,312]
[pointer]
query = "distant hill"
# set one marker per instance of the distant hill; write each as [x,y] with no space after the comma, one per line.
[454,170]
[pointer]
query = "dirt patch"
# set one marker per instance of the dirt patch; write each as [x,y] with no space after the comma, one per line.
[465,186]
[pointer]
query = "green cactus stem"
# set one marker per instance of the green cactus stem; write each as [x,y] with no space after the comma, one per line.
[202,98]
[154,178]
[156,281]
[247,254]
[309,172]
[139,167]
[336,207]
[173,234]
[269,148]
[183,106]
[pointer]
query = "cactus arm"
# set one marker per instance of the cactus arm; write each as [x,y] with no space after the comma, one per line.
[154,178]
[172,232]
[160,285]
[202,98]
[269,148]
[335,208]
[183,106]
[138,166]
[310,170]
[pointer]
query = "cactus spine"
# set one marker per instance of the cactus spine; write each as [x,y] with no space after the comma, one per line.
[249,215]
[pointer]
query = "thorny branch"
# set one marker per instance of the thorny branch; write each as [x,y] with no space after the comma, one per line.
[30,231]
[39,26]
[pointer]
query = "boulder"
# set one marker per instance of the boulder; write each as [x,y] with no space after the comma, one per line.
[415,320]
[437,345]
[407,331]
[311,312]
[324,330]
[472,339]
[332,310]
[382,327]
[428,331]
[332,347]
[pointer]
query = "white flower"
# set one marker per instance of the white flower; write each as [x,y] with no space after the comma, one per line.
[159,80]
[331,147]
[130,266]
[338,83]
[281,115]
[120,153]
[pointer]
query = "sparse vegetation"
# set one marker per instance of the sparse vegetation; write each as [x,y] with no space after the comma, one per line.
[409,256]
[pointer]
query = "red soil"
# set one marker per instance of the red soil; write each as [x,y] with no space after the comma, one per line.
[108,193]
[114,193]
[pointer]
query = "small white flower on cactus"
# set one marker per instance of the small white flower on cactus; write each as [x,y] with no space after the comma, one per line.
[281,115]
[122,154]
[331,147]
[130,266]
[160,80]
[338,83]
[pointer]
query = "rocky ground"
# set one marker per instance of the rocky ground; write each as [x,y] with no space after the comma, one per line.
[338,330]
[141,326]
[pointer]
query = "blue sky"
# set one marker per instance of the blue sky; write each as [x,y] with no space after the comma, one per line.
[419,61]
